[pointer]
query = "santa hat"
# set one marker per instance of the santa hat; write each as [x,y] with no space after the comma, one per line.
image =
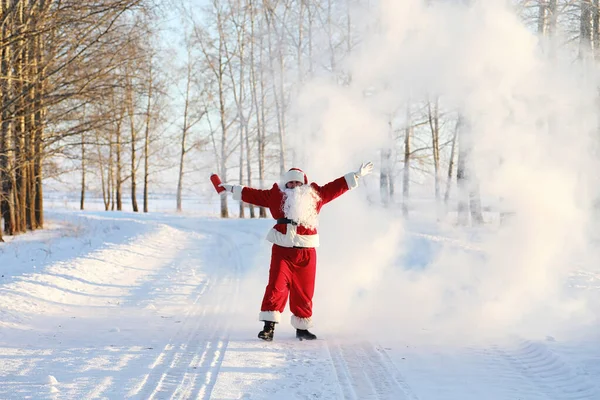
[295,174]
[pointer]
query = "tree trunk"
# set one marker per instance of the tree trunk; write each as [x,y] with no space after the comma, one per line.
[248,166]
[300,42]
[111,171]
[7,156]
[406,172]
[30,143]
[552,16]
[118,168]
[147,135]
[451,165]
[2,167]
[475,204]
[19,132]
[222,95]
[332,60]
[183,150]
[244,122]
[180,175]
[258,108]
[542,17]
[469,197]
[133,131]
[434,124]
[311,68]
[224,209]
[385,178]
[104,182]
[585,29]
[278,100]
[547,17]
[596,28]
[39,109]
[37,167]
[82,198]
[21,173]
[29,75]
[461,176]
[242,213]
[281,121]
[238,97]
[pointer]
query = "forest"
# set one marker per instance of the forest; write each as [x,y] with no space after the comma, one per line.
[115,92]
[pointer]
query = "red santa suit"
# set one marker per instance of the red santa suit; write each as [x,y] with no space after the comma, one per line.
[293,257]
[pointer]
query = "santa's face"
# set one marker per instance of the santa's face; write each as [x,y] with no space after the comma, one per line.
[293,184]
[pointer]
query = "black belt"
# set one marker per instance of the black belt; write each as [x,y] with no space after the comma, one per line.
[286,221]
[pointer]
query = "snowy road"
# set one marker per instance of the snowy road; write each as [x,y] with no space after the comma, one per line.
[114,307]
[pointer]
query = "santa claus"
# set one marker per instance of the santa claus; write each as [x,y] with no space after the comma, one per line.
[295,205]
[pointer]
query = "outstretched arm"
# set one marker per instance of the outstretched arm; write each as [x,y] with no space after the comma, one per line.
[336,188]
[257,197]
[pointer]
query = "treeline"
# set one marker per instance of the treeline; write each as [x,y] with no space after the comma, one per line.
[92,85]
[59,61]
[258,55]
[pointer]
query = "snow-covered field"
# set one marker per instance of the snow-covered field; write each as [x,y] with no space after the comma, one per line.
[160,306]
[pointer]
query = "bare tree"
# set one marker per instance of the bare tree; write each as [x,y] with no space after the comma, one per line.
[83,168]
[277,85]
[386,185]
[237,82]
[461,178]
[118,151]
[585,29]
[147,122]
[451,164]
[595,27]
[214,53]
[469,198]
[434,124]
[256,82]
[54,58]
[188,121]
[130,107]
[408,132]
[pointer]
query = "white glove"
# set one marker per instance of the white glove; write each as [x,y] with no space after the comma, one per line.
[365,169]
[227,187]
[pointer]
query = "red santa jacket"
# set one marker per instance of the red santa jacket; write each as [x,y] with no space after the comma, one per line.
[289,235]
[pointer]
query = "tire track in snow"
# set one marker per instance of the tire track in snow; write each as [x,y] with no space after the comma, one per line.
[119,268]
[367,373]
[555,378]
[196,352]
[172,350]
[194,369]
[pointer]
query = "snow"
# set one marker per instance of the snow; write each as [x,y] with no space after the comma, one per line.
[164,306]
[159,306]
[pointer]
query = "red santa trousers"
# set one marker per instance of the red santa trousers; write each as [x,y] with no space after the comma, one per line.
[292,272]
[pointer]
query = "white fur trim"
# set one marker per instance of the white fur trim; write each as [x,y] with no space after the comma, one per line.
[293,175]
[291,238]
[273,316]
[237,192]
[301,323]
[351,180]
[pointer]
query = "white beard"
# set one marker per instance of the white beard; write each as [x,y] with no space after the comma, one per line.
[300,205]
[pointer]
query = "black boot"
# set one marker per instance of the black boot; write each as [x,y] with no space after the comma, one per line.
[267,332]
[304,334]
